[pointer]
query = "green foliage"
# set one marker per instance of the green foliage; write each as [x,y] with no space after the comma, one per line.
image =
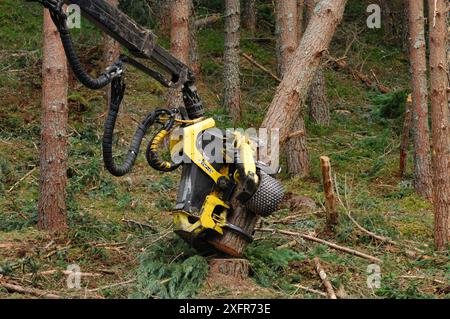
[391,288]
[269,264]
[391,105]
[165,273]
[21,214]
[139,10]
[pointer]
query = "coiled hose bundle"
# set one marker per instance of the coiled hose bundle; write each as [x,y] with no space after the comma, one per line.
[113,75]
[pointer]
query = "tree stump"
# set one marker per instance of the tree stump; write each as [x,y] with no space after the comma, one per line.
[330,196]
[232,243]
[235,268]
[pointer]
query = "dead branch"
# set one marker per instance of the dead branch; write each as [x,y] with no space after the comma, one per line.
[437,281]
[20,180]
[65,272]
[28,291]
[290,244]
[206,21]
[343,65]
[261,67]
[314,291]
[119,284]
[131,223]
[321,241]
[347,210]
[323,276]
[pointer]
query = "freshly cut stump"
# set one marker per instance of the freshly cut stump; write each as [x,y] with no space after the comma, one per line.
[231,243]
[235,268]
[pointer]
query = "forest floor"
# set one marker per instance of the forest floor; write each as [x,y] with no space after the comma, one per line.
[125,259]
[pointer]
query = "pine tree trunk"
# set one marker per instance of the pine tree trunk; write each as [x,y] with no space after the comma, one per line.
[300,19]
[194,58]
[294,87]
[319,110]
[249,16]
[286,33]
[111,53]
[53,158]
[179,41]
[297,151]
[421,132]
[232,92]
[287,42]
[440,121]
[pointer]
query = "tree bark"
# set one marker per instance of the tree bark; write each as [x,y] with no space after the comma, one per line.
[286,33]
[421,133]
[179,41]
[53,158]
[194,58]
[294,87]
[249,16]
[111,52]
[232,92]
[319,111]
[297,150]
[287,42]
[440,120]
[300,19]
[406,133]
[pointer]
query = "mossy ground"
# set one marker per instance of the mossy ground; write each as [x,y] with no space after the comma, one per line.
[363,150]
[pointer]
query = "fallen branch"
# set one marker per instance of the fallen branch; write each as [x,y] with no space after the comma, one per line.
[65,272]
[261,67]
[343,65]
[321,241]
[441,282]
[20,180]
[347,210]
[323,276]
[29,291]
[314,291]
[131,222]
[206,21]
[113,285]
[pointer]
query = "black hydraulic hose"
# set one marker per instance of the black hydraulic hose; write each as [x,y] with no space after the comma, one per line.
[117,92]
[59,18]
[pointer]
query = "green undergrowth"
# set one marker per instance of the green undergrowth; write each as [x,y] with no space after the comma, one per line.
[170,269]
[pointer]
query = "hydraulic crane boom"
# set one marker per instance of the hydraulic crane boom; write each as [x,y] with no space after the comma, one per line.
[139,41]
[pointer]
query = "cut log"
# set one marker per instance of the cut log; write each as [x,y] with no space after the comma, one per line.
[236,268]
[330,196]
[232,243]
